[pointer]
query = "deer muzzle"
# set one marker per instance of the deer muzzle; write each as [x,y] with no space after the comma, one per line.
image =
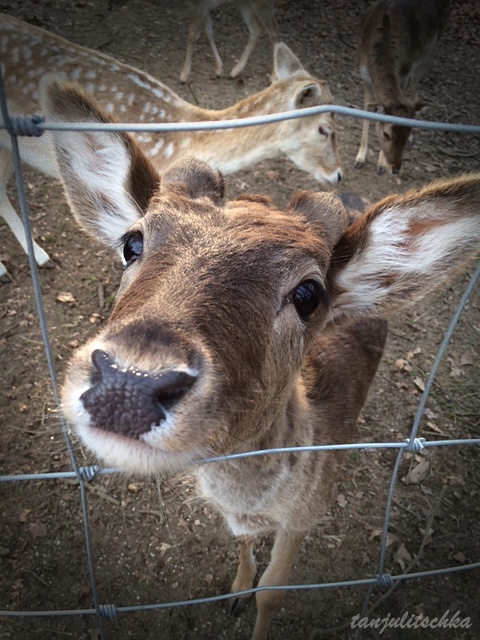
[128,401]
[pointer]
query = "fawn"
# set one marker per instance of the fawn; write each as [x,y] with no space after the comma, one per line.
[239,327]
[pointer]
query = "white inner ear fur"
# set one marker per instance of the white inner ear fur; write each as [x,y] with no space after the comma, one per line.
[411,261]
[99,163]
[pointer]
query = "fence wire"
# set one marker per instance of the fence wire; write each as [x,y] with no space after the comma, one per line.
[35,126]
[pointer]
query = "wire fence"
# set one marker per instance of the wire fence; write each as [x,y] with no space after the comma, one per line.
[35,126]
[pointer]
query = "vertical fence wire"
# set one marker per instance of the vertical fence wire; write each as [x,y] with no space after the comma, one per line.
[22,200]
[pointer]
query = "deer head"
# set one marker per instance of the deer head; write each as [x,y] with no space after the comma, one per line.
[393,138]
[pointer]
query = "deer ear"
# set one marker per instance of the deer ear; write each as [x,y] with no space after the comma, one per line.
[308,96]
[285,62]
[195,179]
[404,247]
[324,211]
[107,179]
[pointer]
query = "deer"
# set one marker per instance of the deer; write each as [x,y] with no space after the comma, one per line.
[397,41]
[258,16]
[239,327]
[129,94]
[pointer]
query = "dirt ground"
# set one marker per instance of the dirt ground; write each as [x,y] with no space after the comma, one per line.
[153,541]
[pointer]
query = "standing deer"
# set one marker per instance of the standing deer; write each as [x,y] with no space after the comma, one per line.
[258,16]
[132,95]
[240,327]
[397,40]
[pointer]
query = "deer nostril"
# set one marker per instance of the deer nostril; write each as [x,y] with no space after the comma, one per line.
[131,401]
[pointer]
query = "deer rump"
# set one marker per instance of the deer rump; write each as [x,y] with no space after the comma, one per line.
[240,327]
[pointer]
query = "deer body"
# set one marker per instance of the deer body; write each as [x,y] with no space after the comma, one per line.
[128,94]
[397,40]
[240,327]
[258,16]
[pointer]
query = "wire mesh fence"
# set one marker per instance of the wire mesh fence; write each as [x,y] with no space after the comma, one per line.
[35,126]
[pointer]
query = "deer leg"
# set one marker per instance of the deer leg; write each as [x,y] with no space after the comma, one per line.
[11,217]
[278,571]
[246,572]
[254,30]
[192,35]
[362,150]
[382,164]
[208,29]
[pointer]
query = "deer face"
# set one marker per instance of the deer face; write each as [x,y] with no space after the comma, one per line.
[317,154]
[393,140]
[310,142]
[208,332]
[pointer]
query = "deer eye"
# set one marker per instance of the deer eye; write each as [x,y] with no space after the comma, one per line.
[324,131]
[306,297]
[132,247]
[386,136]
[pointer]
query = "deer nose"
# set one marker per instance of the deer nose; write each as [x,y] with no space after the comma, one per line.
[130,402]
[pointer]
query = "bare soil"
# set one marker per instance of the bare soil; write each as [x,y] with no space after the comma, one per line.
[153,541]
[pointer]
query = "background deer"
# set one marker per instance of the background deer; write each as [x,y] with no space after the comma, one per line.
[258,16]
[240,327]
[397,40]
[28,53]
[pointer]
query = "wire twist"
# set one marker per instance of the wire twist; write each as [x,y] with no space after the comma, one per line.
[26,126]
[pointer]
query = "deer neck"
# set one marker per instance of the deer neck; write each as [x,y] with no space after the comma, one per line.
[250,491]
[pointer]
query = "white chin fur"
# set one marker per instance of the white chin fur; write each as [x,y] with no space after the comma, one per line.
[133,456]
[331,178]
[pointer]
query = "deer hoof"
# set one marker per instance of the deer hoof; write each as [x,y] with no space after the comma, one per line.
[50,264]
[236,606]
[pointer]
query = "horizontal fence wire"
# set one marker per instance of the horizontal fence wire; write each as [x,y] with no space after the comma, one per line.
[416,444]
[35,126]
